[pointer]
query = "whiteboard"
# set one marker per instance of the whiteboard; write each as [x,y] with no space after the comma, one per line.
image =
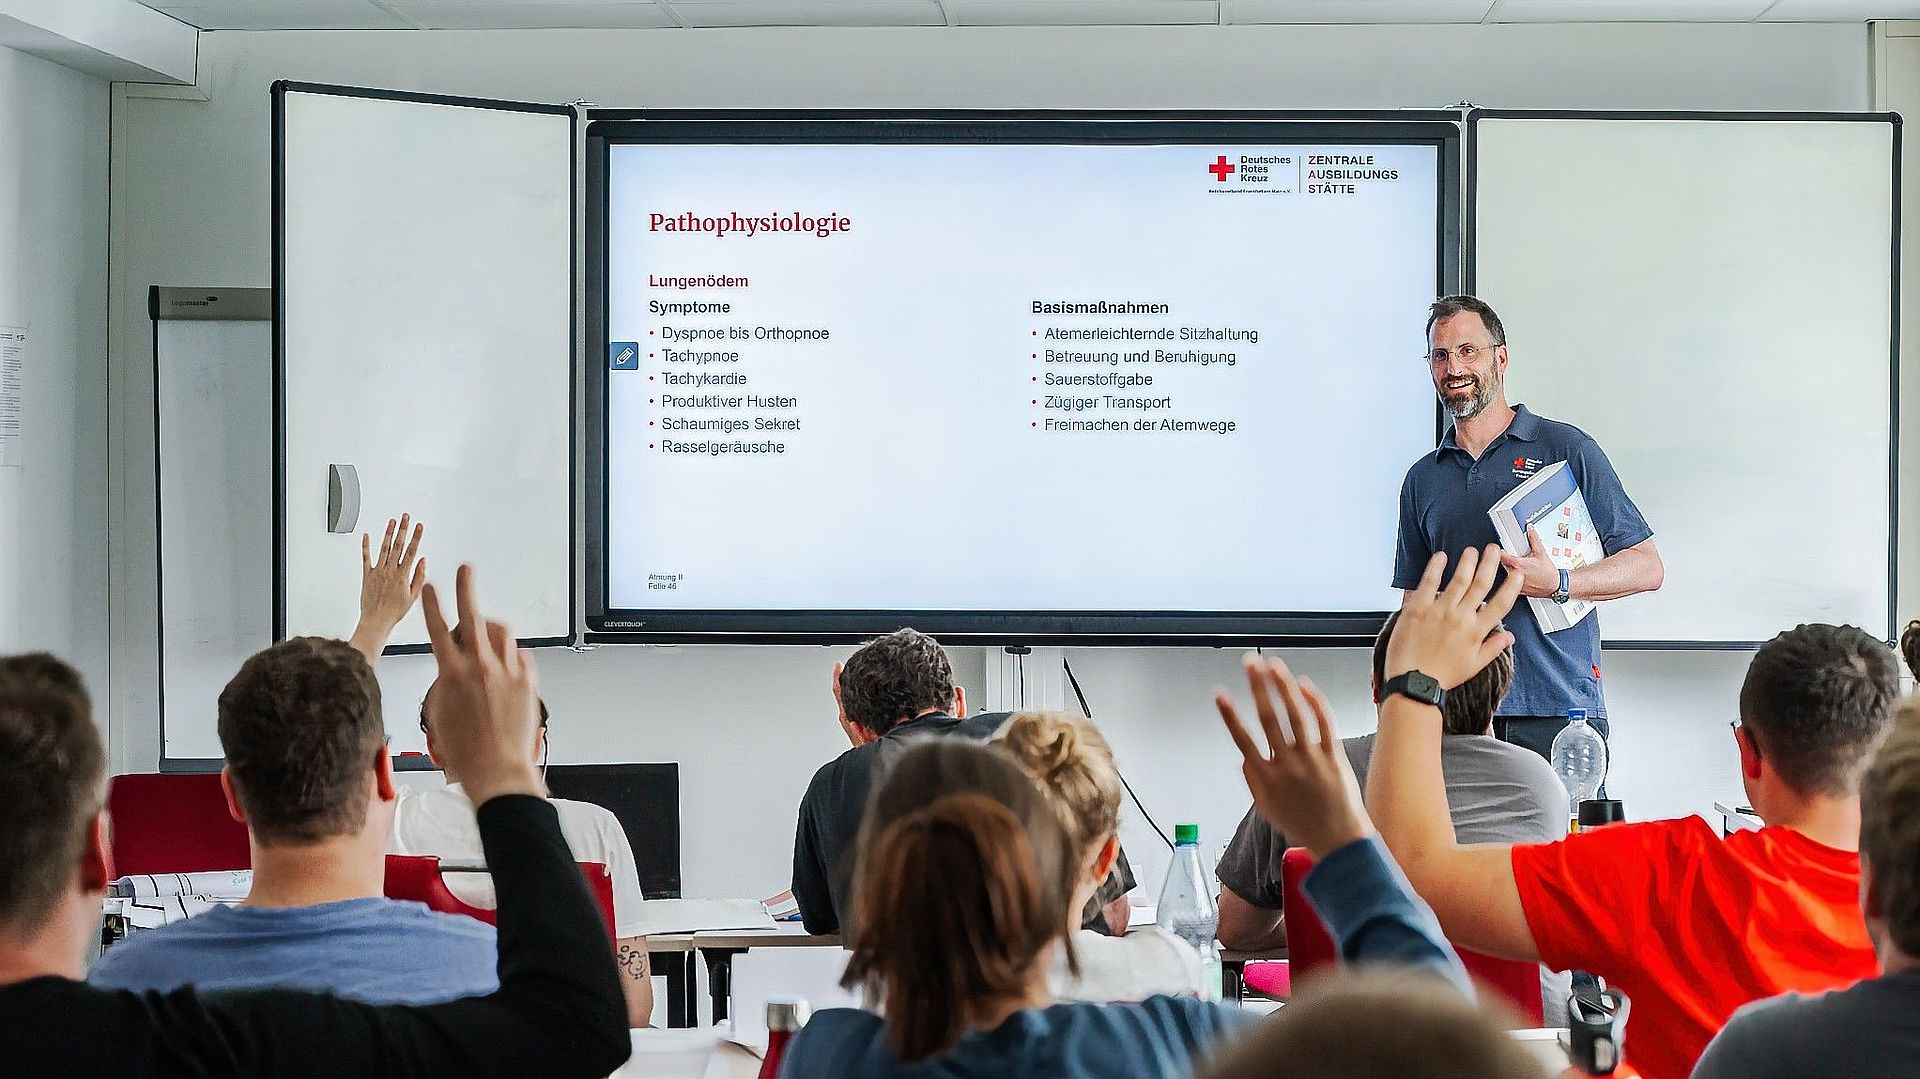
[424,271]
[1712,300]
[213,431]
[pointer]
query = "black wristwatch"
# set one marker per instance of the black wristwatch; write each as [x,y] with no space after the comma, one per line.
[1415,687]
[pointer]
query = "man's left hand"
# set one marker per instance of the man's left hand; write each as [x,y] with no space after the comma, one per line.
[1538,575]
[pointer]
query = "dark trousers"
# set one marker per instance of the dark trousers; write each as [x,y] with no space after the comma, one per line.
[1537,733]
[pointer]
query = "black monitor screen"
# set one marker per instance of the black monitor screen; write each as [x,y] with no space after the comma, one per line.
[646,799]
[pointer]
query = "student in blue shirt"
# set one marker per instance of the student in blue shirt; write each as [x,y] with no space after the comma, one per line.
[964,880]
[307,769]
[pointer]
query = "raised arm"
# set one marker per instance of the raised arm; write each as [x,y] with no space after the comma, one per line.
[389,585]
[558,1011]
[1444,634]
[1304,787]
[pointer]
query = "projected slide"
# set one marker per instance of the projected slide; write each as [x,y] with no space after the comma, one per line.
[1013,377]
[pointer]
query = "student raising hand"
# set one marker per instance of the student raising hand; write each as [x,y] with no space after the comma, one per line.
[389,584]
[484,705]
[1448,634]
[1302,783]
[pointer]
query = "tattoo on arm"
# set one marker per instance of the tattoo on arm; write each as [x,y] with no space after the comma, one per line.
[635,963]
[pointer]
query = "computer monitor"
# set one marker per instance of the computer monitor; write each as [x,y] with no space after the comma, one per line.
[646,800]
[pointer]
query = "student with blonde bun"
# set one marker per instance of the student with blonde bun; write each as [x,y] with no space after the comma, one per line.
[1073,766]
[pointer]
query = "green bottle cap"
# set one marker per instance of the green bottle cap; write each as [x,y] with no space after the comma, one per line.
[1186,833]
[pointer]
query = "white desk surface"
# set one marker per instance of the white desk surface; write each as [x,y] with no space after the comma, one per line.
[786,935]
[1737,820]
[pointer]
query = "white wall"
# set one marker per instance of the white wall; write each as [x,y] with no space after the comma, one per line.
[53,274]
[190,206]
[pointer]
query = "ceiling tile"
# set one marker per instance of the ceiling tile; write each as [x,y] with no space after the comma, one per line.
[1841,10]
[809,12]
[1082,12]
[1627,10]
[282,14]
[534,14]
[1353,11]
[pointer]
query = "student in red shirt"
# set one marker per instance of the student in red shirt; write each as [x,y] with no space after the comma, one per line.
[1689,925]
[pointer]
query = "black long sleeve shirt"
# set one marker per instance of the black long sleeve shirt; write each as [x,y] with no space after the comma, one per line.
[559,1010]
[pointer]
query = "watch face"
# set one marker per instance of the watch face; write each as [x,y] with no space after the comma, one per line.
[1423,686]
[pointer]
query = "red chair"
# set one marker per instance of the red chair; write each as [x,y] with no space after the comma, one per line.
[174,823]
[417,877]
[1310,947]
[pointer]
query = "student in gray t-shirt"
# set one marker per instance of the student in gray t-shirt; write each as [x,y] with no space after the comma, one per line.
[1499,793]
[1872,1030]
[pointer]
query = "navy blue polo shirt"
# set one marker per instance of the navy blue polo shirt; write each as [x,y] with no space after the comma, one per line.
[1443,507]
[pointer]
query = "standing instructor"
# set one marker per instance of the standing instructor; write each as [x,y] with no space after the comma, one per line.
[1490,448]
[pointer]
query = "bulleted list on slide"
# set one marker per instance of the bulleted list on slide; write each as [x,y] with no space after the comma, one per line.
[814,349]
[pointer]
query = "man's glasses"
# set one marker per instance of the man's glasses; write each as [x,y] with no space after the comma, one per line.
[1466,353]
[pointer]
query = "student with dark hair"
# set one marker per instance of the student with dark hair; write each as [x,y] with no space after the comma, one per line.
[892,691]
[307,771]
[1688,924]
[1497,792]
[965,882]
[1872,1030]
[1910,647]
[558,1011]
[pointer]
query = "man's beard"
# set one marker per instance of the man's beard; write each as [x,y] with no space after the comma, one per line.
[1475,402]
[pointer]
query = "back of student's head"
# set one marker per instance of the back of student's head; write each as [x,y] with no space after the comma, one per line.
[1377,1025]
[894,678]
[1910,647]
[1815,703]
[962,889]
[1890,828]
[1072,763]
[301,726]
[1469,706]
[52,772]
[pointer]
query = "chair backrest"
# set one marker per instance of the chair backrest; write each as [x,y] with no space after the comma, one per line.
[417,877]
[1310,948]
[175,822]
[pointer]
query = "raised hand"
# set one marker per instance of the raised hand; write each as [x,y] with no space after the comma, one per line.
[1449,634]
[389,584]
[484,704]
[1302,784]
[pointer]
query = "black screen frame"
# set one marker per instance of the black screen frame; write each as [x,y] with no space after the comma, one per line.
[1442,129]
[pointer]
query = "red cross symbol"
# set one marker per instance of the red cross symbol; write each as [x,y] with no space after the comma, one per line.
[1220,169]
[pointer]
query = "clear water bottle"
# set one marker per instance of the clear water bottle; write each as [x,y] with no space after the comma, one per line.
[1579,758]
[1186,905]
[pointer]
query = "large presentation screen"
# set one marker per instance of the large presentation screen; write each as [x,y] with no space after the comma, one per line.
[1028,378]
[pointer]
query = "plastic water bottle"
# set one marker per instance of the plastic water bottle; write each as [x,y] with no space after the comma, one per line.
[1186,905]
[1580,760]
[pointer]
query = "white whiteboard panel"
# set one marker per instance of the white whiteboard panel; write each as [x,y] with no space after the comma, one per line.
[425,279]
[1712,301]
[213,384]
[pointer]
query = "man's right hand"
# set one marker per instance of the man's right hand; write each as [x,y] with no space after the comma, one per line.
[484,704]
[1448,634]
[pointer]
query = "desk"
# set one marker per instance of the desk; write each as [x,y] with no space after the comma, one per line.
[1737,818]
[676,965]
[718,948]
[1233,965]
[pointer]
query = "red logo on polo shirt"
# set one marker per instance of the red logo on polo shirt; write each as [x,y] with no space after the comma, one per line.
[1519,462]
